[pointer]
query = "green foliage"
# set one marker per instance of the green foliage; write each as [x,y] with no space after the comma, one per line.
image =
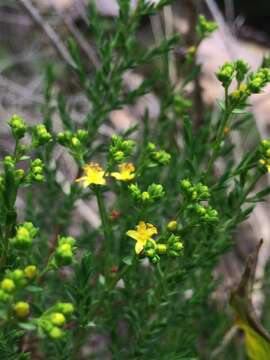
[144,277]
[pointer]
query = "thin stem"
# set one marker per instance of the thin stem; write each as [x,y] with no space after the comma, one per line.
[104,220]
[162,279]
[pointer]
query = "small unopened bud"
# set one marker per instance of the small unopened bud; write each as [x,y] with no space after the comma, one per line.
[18,126]
[172,225]
[22,309]
[57,319]
[65,308]
[8,285]
[30,271]
[161,249]
[56,333]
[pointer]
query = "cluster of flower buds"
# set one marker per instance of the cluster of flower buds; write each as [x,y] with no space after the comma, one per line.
[151,251]
[11,171]
[154,192]
[36,171]
[238,70]
[53,320]
[241,70]
[40,135]
[264,151]
[73,141]
[9,163]
[14,280]
[18,127]
[25,234]
[197,192]
[64,252]
[175,246]
[205,28]
[160,157]
[226,74]
[258,80]
[205,214]
[120,149]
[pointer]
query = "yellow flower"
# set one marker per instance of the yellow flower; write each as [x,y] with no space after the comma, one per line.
[93,174]
[126,172]
[142,234]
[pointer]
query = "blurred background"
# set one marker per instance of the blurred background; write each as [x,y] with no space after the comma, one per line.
[34,33]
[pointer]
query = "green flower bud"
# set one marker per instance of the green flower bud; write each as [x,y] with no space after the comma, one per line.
[161,157]
[161,249]
[17,275]
[135,191]
[156,191]
[82,135]
[20,174]
[40,135]
[64,251]
[57,319]
[150,253]
[155,259]
[185,184]
[18,126]
[56,333]
[172,226]
[65,308]
[205,28]
[25,234]
[75,142]
[173,239]
[67,240]
[242,69]
[9,163]
[64,138]
[120,149]
[258,80]
[177,246]
[36,171]
[8,285]
[22,309]
[145,196]
[30,271]
[119,155]
[225,74]
[151,147]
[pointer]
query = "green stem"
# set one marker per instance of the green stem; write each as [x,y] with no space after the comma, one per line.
[104,221]
[220,134]
[161,279]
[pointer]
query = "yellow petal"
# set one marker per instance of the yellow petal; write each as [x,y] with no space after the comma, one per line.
[139,247]
[80,179]
[116,175]
[133,234]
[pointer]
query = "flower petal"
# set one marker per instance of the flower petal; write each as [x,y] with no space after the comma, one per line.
[133,234]
[139,247]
